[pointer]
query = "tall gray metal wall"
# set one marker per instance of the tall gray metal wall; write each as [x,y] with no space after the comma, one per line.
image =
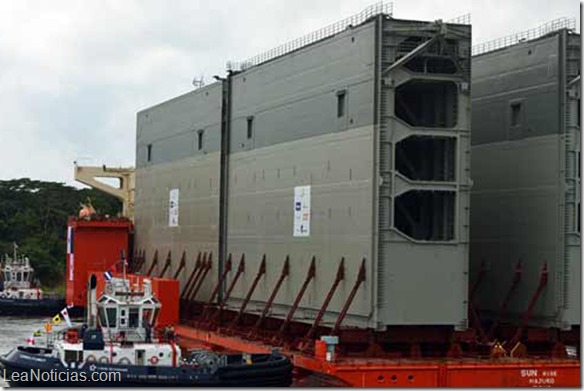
[526,173]
[171,131]
[384,151]
[299,140]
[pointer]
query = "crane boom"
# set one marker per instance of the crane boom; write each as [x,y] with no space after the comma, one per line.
[89,175]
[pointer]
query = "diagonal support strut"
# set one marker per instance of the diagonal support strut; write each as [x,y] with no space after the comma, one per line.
[360,279]
[261,272]
[285,273]
[167,264]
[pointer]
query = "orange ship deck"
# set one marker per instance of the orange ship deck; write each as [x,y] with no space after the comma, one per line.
[362,372]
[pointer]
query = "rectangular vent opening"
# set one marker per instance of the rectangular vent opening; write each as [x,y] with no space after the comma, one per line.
[426,215]
[425,158]
[430,104]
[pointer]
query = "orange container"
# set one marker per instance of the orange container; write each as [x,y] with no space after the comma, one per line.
[92,246]
[168,292]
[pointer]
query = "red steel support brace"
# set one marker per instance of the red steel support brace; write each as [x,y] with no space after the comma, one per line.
[285,272]
[218,286]
[142,261]
[240,270]
[260,273]
[197,277]
[340,276]
[309,276]
[181,265]
[202,279]
[506,301]
[133,262]
[192,276]
[543,279]
[154,263]
[341,317]
[226,270]
[166,264]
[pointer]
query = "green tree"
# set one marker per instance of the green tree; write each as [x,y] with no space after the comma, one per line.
[34,214]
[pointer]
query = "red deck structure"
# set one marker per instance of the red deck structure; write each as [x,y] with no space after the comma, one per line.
[93,245]
[363,372]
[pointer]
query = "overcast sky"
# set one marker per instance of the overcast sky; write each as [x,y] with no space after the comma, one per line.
[73,74]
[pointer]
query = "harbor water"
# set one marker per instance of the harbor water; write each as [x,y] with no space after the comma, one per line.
[15,330]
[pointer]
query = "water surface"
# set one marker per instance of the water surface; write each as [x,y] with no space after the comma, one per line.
[15,330]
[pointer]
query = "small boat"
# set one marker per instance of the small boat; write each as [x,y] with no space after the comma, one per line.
[20,294]
[117,347]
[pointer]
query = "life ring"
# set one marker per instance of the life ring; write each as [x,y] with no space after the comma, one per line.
[104,360]
[153,360]
[90,358]
[124,360]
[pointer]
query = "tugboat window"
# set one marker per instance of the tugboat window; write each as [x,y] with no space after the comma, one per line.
[123,319]
[134,316]
[70,355]
[139,357]
[102,319]
[147,313]
[111,316]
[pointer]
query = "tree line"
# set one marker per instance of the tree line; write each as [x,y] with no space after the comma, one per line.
[34,215]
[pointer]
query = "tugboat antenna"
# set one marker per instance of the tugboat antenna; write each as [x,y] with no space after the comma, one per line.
[123,264]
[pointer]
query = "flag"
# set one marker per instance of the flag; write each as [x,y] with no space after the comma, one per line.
[56,319]
[107,275]
[66,317]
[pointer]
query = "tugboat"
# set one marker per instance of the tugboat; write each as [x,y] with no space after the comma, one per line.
[20,294]
[118,349]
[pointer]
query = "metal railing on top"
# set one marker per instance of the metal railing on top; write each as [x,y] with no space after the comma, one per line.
[528,35]
[462,19]
[328,31]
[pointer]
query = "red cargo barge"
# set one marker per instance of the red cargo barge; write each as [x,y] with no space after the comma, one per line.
[362,372]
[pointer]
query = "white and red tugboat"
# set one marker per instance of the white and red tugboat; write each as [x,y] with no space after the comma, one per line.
[117,348]
[19,293]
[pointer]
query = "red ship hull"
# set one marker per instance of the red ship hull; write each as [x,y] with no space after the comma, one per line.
[362,372]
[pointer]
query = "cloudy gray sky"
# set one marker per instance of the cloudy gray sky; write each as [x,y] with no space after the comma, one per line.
[74,73]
